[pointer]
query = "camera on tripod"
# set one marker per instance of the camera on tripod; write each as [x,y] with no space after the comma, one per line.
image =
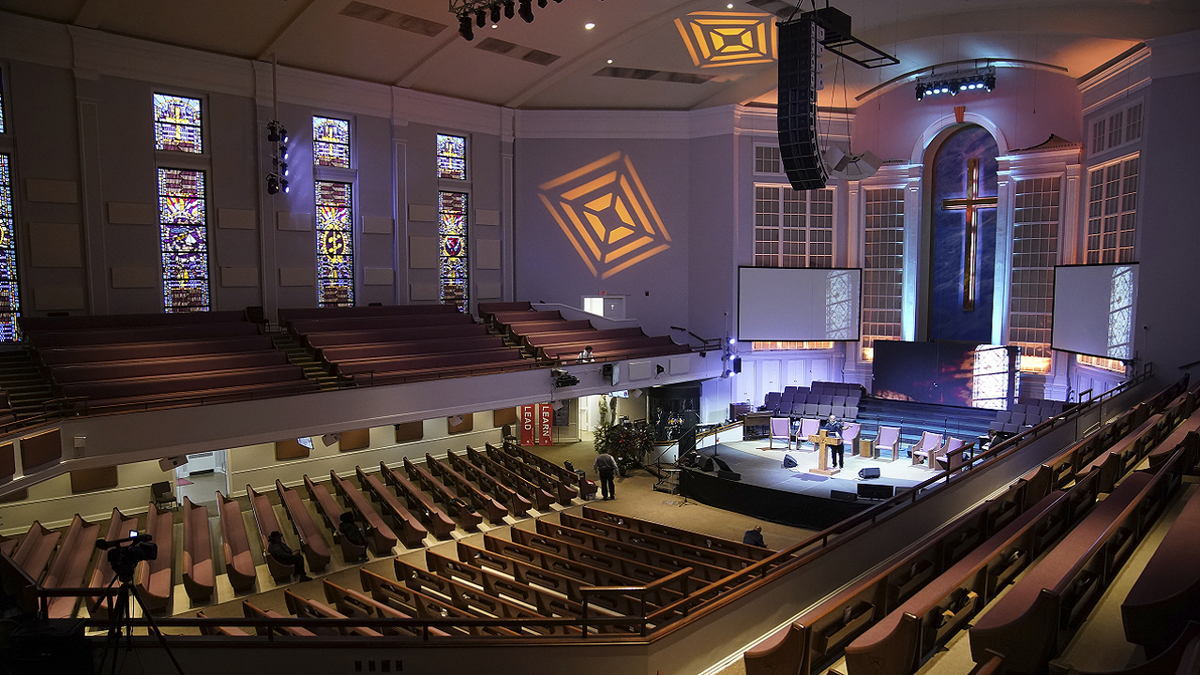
[125,554]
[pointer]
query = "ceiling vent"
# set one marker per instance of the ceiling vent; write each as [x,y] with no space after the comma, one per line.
[656,75]
[386,17]
[516,51]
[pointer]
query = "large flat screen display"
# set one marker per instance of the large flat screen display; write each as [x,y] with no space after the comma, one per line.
[1094,309]
[798,304]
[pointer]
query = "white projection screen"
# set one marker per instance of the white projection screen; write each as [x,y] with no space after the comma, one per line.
[799,304]
[1094,310]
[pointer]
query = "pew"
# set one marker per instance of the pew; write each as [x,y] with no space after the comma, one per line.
[305,326]
[517,330]
[899,642]
[586,488]
[155,578]
[502,318]
[160,366]
[1166,596]
[548,475]
[330,339]
[263,380]
[331,514]
[224,631]
[119,527]
[621,348]
[235,544]
[497,353]
[267,522]
[379,536]
[40,324]
[1057,593]
[378,350]
[1181,658]
[486,309]
[288,315]
[412,532]
[316,552]
[70,564]
[463,511]
[727,546]
[436,520]
[592,336]
[311,609]
[253,612]
[151,350]
[481,502]
[728,561]
[516,504]
[73,338]
[537,497]
[35,549]
[352,603]
[198,575]
[565,557]
[642,554]
[1186,435]
[399,595]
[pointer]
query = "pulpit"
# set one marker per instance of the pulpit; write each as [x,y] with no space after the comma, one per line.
[821,442]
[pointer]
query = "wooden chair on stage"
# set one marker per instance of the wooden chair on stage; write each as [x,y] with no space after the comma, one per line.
[889,440]
[927,449]
[781,427]
[808,427]
[849,434]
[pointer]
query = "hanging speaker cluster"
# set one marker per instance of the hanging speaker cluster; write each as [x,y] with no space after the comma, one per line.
[800,79]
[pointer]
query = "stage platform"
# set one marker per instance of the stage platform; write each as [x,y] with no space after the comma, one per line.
[794,496]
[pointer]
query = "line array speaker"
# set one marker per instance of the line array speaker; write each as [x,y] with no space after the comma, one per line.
[799,81]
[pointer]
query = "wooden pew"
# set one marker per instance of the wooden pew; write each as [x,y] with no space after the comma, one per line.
[311,609]
[287,315]
[70,564]
[267,522]
[102,353]
[517,330]
[516,504]
[533,340]
[660,531]
[412,532]
[253,612]
[486,309]
[400,596]
[304,326]
[435,359]
[642,554]
[119,527]
[436,520]
[1186,435]
[331,514]
[615,348]
[155,578]
[316,551]
[380,350]
[334,338]
[568,559]
[72,338]
[537,497]
[727,561]
[585,487]
[40,324]
[901,641]
[379,536]
[198,575]
[482,502]
[470,599]
[36,547]
[463,511]
[217,383]
[565,491]
[1166,596]
[139,366]
[1058,592]
[502,318]
[239,564]
[224,631]
[352,603]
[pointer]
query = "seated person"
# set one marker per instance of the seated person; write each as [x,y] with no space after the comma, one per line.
[586,356]
[754,537]
[284,554]
[352,532]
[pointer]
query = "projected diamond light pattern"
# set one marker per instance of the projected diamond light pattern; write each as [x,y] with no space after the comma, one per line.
[722,39]
[604,210]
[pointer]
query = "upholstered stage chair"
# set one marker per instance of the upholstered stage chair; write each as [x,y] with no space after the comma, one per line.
[889,440]
[927,449]
[781,427]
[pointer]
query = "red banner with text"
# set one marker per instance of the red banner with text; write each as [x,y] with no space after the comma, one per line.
[537,424]
[528,418]
[545,424]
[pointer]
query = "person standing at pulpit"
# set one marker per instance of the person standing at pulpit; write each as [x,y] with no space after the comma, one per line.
[833,427]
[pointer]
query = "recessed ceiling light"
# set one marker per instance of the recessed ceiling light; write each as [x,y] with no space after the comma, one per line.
[610,60]
[495,25]
[589,25]
[729,6]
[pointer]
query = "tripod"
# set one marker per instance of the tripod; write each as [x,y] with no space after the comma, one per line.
[122,620]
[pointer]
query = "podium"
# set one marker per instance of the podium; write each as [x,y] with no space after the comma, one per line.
[822,441]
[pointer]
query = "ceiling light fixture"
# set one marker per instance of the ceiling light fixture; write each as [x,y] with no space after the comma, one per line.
[589,25]
[976,79]
[494,12]
[525,11]
[464,27]
[509,9]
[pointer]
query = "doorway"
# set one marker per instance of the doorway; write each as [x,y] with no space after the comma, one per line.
[202,476]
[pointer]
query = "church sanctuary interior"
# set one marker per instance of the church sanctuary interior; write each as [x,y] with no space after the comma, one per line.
[316,316]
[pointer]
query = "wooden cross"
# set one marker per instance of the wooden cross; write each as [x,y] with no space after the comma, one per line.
[822,441]
[971,204]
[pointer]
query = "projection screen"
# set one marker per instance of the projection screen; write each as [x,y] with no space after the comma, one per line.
[1094,310]
[799,304]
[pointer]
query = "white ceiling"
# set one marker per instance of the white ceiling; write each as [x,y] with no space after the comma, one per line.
[340,37]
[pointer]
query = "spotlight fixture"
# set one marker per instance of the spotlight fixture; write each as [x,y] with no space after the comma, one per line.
[494,10]
[542,4]
[525,11]
[481,17]
[491,12]
[272,184]
[508,9]
[273,131]
[464,27]
[979,79]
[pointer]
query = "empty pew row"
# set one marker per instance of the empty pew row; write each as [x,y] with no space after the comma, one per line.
[412,532]
[624,348]
[535,494]
[42,324]
[399,595]
[287,315]
[521,331]
[246,382]
[103,353]
[162,366]
[726,561]
[119,527]
[567,559]
[590,336]
[569,484]
[465,360]
[648,556]
[383,350]
[235,544]
[516,504]
[70,565]
[436,520]
[299,327]
[254,612]
[564,492]
[356,604]
[464,512]
[819,635]
[35,550]
[332,339]
[477,498]
[155,578]
[44,339]
[1029,624]
[312,609]
[730,547]
[199,577]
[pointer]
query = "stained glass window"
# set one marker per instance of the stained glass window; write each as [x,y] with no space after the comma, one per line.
[989,378]
[10,296]
[183,232]
[452,157]
[335,244]
[1120,314]
[331,142]
[177,124]
[452,248]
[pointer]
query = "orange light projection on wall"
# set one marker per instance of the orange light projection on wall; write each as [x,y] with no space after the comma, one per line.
[606,214]
[720,39]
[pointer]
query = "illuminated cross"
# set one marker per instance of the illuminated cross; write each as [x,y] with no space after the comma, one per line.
[971,205]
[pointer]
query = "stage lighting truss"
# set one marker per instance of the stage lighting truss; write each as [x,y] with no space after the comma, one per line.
[979,79]
[277,136]
[481,11]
